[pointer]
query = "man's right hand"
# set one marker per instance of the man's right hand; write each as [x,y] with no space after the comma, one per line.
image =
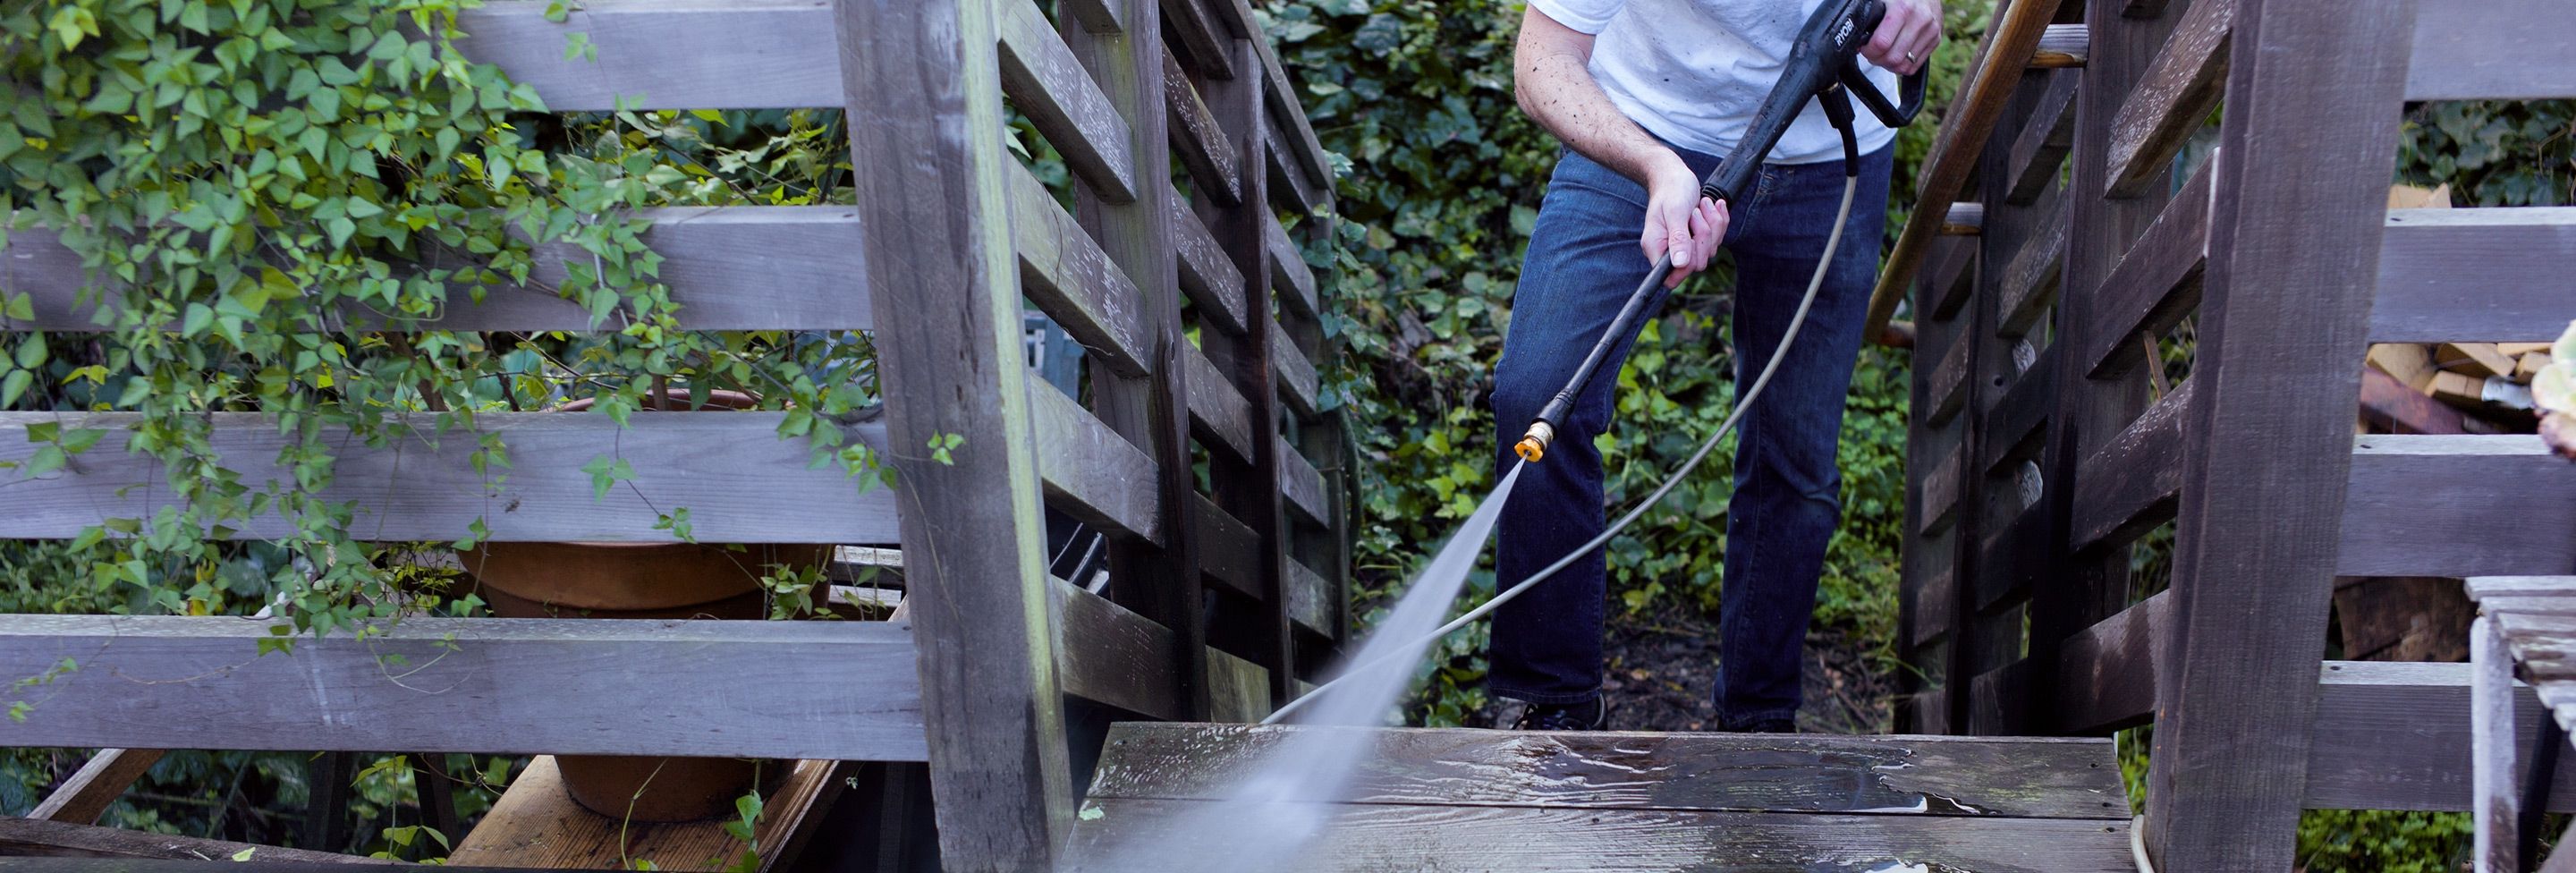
[1680,223]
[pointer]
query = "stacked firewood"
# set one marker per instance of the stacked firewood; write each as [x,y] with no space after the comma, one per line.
[2455,387]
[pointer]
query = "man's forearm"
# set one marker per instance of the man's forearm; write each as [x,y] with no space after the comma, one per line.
[1555,87]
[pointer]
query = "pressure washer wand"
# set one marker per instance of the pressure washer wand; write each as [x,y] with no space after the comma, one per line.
[1824,65]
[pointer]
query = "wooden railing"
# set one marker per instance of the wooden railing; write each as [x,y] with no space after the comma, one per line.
[2047,443]
[949,234]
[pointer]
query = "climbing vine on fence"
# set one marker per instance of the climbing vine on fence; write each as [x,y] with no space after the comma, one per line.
[256,185]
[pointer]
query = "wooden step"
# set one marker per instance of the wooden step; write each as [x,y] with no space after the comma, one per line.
[1458,799]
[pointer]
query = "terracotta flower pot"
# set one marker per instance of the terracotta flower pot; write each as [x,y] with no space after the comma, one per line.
[643,581]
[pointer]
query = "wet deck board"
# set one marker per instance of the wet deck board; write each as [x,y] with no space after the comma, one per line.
[1455,799]
[1939,776]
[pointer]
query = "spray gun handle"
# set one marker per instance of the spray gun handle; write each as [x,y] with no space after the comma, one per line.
[1857,82]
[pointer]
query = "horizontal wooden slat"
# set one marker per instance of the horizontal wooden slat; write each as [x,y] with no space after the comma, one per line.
[1211,49]
[1946,385]
[2483,587]
[24,839]
[2030,279]
[1217,406]
[1290,133]
[2062,45]
[1871,775]
[2457,506]
[729,469]
[2131,483]
[1093,471]
[1049,85]
[1288,270]
[2155,284]
[1310,599]
[1290,188]
[2039,151]
[1295,374]
[1953,277]
[729,268]
[2491,50]
[831,690]
[2106,675]
[1208,275]
[1933,606]
[2172,99]
[1197,140]
[2014,418]
[1106,653]
[2449,275]
[1941,492]
[664,54]
[1363,837]
[1065,272]
[2013,559]
[1301,483]
[1096,16]
[1229,550]
[2395,735]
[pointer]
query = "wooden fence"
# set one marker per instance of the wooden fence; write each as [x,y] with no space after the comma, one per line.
[2046,441]
[950,237]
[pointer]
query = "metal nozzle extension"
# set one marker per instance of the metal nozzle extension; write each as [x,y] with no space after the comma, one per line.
[1533,445]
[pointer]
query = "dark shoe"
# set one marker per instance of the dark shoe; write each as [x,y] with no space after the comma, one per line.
[1587,716]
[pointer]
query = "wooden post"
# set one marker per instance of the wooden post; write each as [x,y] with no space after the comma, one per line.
[923,88]
[2493,801]
[2296,213]
[85,796]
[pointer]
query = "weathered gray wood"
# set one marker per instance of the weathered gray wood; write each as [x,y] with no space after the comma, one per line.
[2449,275]
[1288,269]
[1098,474]
[730,469]
[2294,243]
[729,268]
[2491,50]
[1941,493]
[38,838]
[2039,152]
[1072,280]
[831,690]
[2495,795]
[1210,49]
[1108,654]
[663,54]
[1302,484]
[1953,276]
[1933,607]
[2395,735]
[1208,275]
[2129,485]
[1883,775]
[2482,587]
[2106,675]
[1048,85]
[2424,505]
[1948,384]
[1197,139]
[2014,416]
[2174,98]
[1230,552]
[2030,280]
[1298,383]
[1216,406]
[95,786]
[1363,837]
[1097,16]
[1290,189]
[2155,284]
[1310,599]
[2061,46]
[924,92]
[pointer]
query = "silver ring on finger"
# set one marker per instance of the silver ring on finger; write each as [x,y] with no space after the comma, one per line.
[1909,57]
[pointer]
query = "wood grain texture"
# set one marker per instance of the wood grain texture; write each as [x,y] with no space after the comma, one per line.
[1290,189]
[97,784]
[2129,485]
[730,469]
[1979,104]
[1382,838]
[2012,429]
[1071,280]
[2500,274]
[1953,278]
[2495,796]
[1310,600]
[2154,285]
[1217,407]
[1948,385]
[1230,552]
[1107,653]
[2173,99]
[2458,44]
[842,690]
[1208,275]
[1189,24]
[2437,506]
[2061,46]
[38,838]
[1933,607]
[663,54]
[1288,270]
[2481,588]
[2039,151]
[1941,493]
[1302,484]
[1196,138]
[923,88]
[1097,474]
[1047,84]
[2294,243]
[1298,383]
[537,824]
[1878,775]
[2395,735]
[728,268]
[2106,675]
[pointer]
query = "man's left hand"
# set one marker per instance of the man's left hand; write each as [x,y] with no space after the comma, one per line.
[1905,38]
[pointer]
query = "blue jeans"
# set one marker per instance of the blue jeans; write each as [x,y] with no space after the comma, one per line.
[1583,260]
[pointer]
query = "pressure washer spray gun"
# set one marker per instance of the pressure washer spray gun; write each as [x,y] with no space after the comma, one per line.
[1823,64]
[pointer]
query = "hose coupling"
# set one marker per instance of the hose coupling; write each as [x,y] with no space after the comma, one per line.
[1533,445]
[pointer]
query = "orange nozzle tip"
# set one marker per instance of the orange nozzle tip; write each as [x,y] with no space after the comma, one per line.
[1530,449]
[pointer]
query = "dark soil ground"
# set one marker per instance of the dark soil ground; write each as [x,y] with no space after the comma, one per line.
[1662,667]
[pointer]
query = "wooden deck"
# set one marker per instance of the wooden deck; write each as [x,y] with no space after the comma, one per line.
[1457,799]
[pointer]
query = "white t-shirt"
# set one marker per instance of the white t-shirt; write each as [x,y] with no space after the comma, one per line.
[1694,71]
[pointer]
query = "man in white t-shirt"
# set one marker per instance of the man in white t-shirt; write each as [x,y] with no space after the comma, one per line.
[1647,95]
